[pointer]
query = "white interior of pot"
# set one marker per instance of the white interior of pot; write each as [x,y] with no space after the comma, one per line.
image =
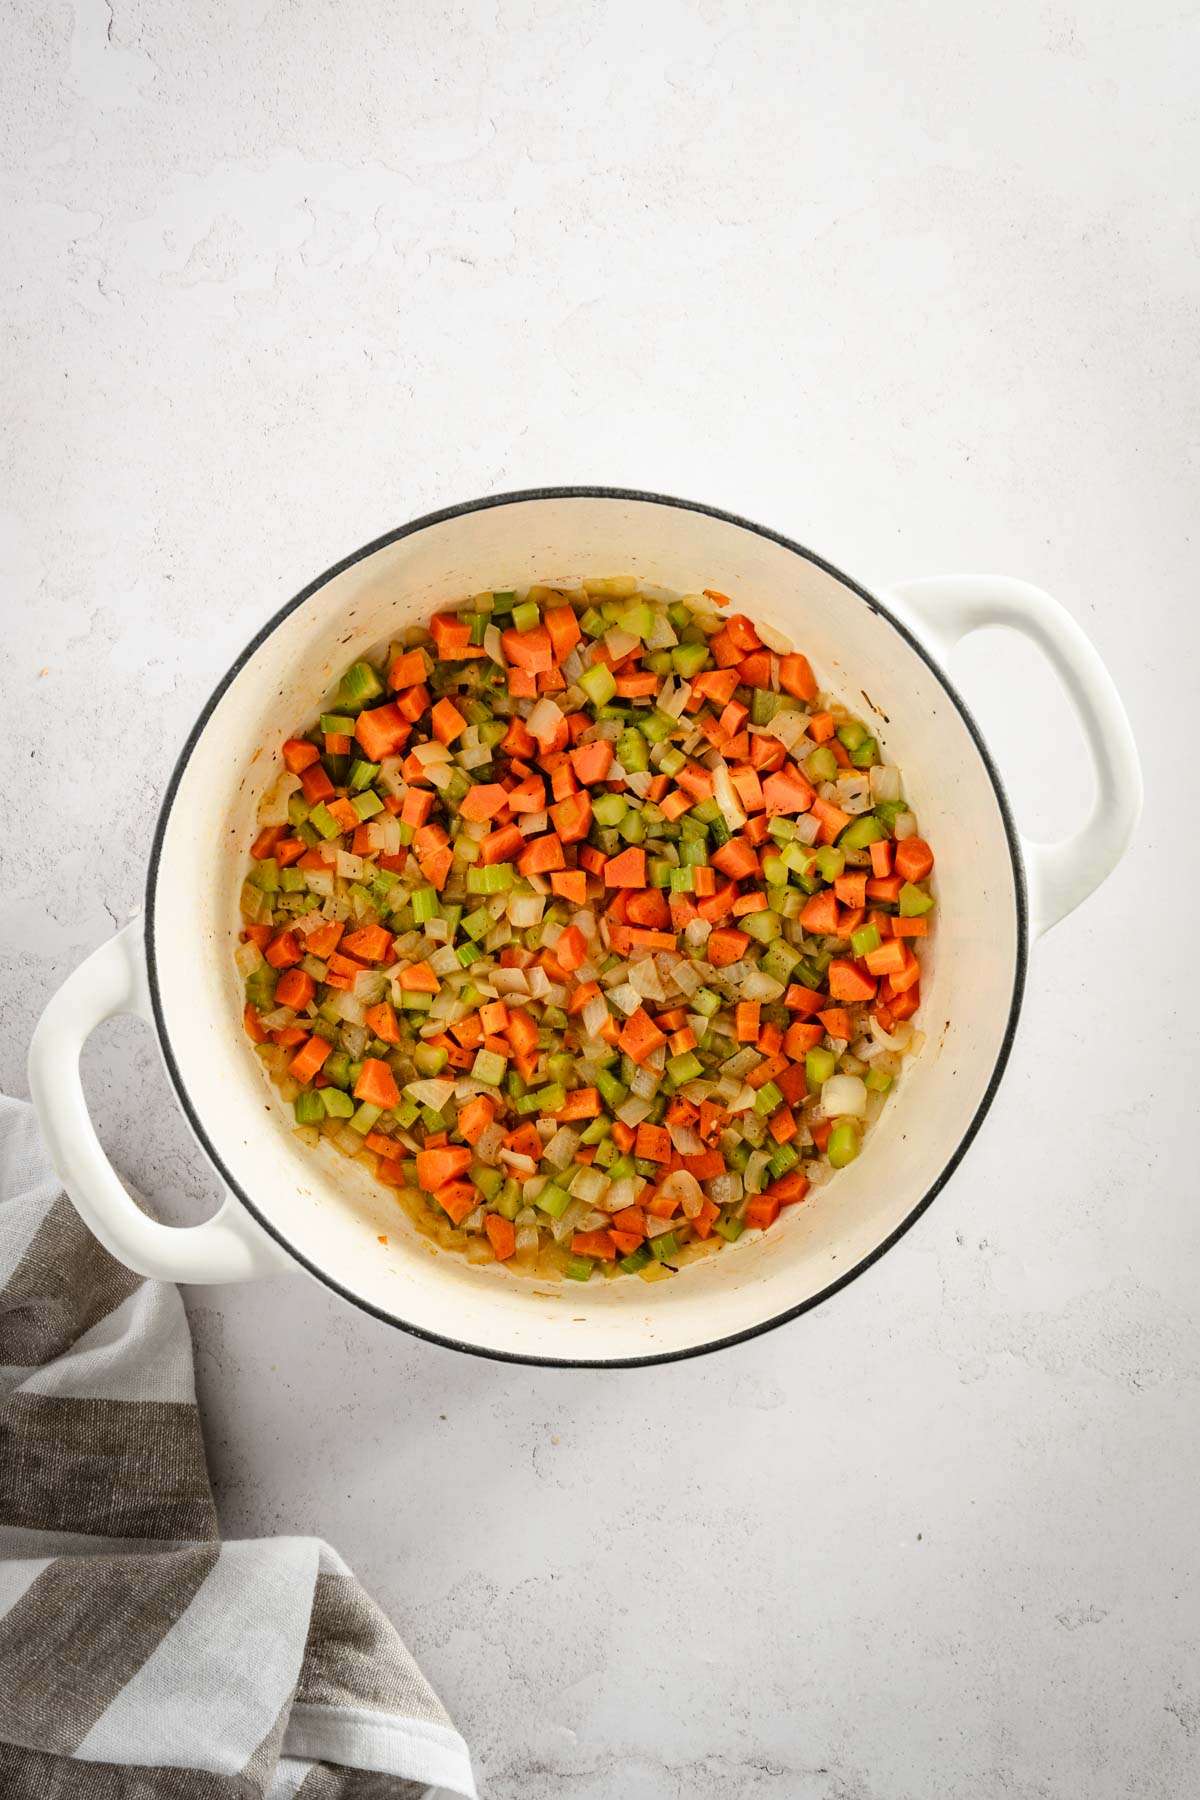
[328,1209]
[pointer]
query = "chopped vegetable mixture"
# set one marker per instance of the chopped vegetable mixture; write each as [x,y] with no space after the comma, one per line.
[592,922]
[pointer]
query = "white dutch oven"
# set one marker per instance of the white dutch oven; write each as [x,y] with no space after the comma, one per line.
[291,1207]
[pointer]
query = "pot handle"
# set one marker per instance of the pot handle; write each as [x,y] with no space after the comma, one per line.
[944,609]
[227,1247]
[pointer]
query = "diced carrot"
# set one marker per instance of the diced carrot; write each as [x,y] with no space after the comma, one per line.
[457,1199]
[591,762]
[782,1125]
[662,1206]
[345,815]
[725,945]
[888,959]
[309,1059]
[528,650]
[475,1116]
[484,801]
[746,1016]
[914,859]
[885,888]
[501,1234]
[748,788]
[837,1022]
[675,804]
[832,819]
[289,1036]
[451,635]
[906,928]
[541,855]
[412,703]
[706,1218]
[522,1031]
[500,846]
[325,939]
[528,795]
[637,686]
[381,1020]
[338,743]
[316,785]
[429,838]
[626,870]
[755,671]
[381,730]
[626,1241]
[695,780]
[640,1036]
[572,817]
[264,844]
[821,1129]
[581,1103]
[631,1219]
[594,1243]
[648,907]
[436,1167]
[793,1084]
[755,901]
[819,914]
[881,856]
[407,669]
[821,727]
[551,734]
[716,684]
[569,884]
[796,677]
[789,1189]
[284,950]
[563,626]
[295,989]
[256,1031]
[787,792]
[802,1037]
[376,1084]
[742,633]
[299,754]
[622,1136]
[761,1213]
[370,943]
[735,859]
[908,976]
[851,888]
[716,905]
[419,978]
[706,1166]
[802,999]
[571,949]
[767,1070]
[653,1142]
[258,934]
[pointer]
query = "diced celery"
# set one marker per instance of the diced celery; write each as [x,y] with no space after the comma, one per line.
[877,1081]
[860,832]
[339,724]
[526,616]
[685,1067]
[336,1104]
[407,1112]
[775,871]
[865,939]
[632,753]
[866,755]
[844,1143]
[424,903]
[322,820]
[706,1002]
[764,705]
[578,1268]
[729,1227]
[830,861]
[365,1118]
[888,811]
[767,1100]
[360,683]
[614,1092]
[764,925]
[594,624]
[361,774]
[632,827]
[656,726]
[553,1200]
[638,620]
[490,878]
[783,1159]
[689,659]
[819,1065]
[366,804]
[637,1259]
[598,683]
[430,1059]
[336,1069]
[914,901]
[609,809]
[821,765]
[683,881]
[852,733]
[307,1107]
[780,960]
[489,1067]
[664,1247]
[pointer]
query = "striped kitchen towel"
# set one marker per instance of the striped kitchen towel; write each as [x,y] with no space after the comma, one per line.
[140,1657]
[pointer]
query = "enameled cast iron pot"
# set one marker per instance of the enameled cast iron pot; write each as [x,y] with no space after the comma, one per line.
[290,1207]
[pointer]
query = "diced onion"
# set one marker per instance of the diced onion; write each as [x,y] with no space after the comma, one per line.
[844,1097]
[854,793]
[620,644]
[725,796]
[633,1111]
[493,645]
[788,726]
[561,1148]
[525,910]
[756,986]
[905,826]
[349,866]
[432,1093]
[808,828]
[594,1014]
[247,958]
[431,752]
[885,782]
[774,640]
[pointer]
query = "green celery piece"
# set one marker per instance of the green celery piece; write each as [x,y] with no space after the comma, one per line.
[336,1070]
[658,872]
[339,724]
[729,1227]
[489,1067]
[361,774]
[764,705]
[914,901]
[598,683]
[503,599]
[632,753]
[410,1002]
[877,1081]
[632,827]
[706,1002]
[685,1067]
[553,1200]
[765,926]
[609,809]
[688,659]
[844,1143]
[867,754]
[719,832]
[293,881]
[367,804]
[783,1159]
[767,1100]
[852,733]
[819,1065]
[407,1112]
[860,832]
[479,623]
[821,765]
[493,878]
[671,761]
[488,1181]
[265,875]
[424,903]
[322,820]
[664,1247]
[775,871]
[865,939]
[683,881]
[593,623]
[831,862]
[656,726]
[307,1107]
[360,683]
[613,1092]
[888,811]
[336,1104]
[782,830]
[365,1118]
[780,960]
[637,1259]
[595,1131]
[578,1268]
[526,616]
[637,620]
[429,1060]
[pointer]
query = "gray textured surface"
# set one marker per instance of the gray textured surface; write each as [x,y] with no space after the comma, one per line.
[921,288]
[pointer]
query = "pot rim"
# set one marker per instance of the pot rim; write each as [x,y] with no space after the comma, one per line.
[518,497]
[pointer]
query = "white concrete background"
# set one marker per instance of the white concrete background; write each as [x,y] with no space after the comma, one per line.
[918,285]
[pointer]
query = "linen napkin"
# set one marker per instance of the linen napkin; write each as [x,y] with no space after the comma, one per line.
[142,1658]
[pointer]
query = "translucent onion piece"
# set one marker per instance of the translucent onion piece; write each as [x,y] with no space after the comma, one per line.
[633,1111]
[545,719]
[686,1141]
[489,1143]
[905,826]
[844,1097]
[590,1185]
[644,1084]
[349,866]
[885,782]
[725,796]
[854,793]
[788,726]
[431,752]
[247,957]
[754,985]
[726,1190]
[350,1008]
[808,828]
[492,644]
[561,1148]
[528,1236]
[525,910]
[620,643]
[433,1093]
[774,640]
[594,1014]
